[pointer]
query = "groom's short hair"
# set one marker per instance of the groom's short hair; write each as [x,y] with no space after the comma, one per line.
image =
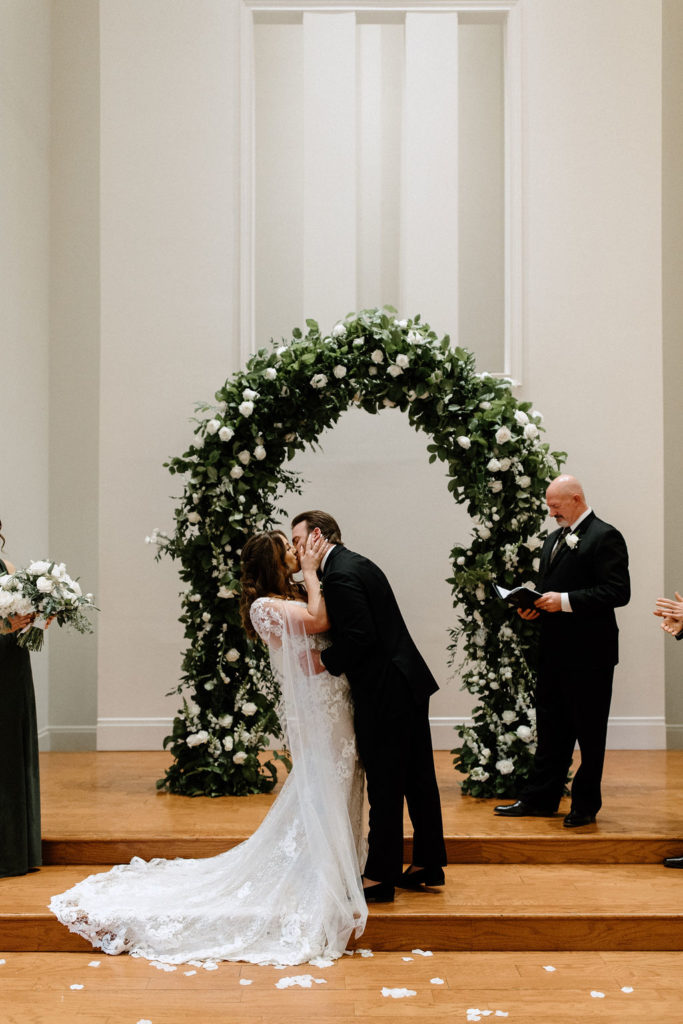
[325,523]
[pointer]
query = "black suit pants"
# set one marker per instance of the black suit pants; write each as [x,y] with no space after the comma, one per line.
[572,705]
[395,747]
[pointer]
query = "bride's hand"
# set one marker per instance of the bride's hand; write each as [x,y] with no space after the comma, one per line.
[16,623]
[312,555]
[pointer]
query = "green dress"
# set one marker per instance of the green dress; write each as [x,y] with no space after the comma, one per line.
[19,781]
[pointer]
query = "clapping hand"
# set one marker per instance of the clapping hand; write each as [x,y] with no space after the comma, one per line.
[671,612]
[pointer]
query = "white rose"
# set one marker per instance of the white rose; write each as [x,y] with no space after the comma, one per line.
[464,441]
[415,338]
[505,767]
[193,517]
[402,360]
[45,585]
[401,323]
[484,405]
[212,426]
[290,437]
[524,481]
[225,592]
[505,465]
[533,543]
[249,709]
[509,717]
[236,472]
[571,540]
[318,380]
[232,655]
[503,435]
[270,373]
[495,486]
[372,371]
[484,754]
[483,532]
[531,431]
[248,395]
[393,370]
[259,452]
[493,466]
[196,738]
[225,721]
[37,568]
[460,560]
[377,356]
[246,408]
[244,457]
[226,433]
[240,757]
[479,775]
[338,331]
[524,733]
[521,418]
[480,593]
[531,714]
[339,371]
[228,743]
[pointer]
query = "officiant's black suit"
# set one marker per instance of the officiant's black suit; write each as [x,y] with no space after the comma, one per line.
[577,654]
[391,685]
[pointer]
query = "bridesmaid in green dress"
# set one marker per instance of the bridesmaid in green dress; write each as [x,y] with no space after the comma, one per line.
[19,783]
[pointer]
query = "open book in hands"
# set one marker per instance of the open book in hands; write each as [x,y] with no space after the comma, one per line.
[519,597]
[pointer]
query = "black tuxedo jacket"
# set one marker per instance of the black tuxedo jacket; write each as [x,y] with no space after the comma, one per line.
[595,576]
[370,640]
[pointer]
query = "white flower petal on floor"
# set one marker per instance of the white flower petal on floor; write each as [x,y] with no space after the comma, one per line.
[94,963]
[597,995]
[549,967]
[143,1020]
[436,981]
[502,1013]
[2,962]
[162,966]
[188,974]
[303,980]
[246,981]
[422,952]
[76,986]
[407,958]
[365,952]
[627,988]
[398,993]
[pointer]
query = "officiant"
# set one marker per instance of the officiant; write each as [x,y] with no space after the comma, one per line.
[583,576]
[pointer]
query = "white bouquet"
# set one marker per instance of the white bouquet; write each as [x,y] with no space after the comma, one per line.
[46,591]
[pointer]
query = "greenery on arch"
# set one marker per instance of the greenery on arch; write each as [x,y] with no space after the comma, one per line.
[235,474]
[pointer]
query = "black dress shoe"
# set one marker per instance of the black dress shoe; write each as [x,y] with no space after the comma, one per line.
[383,892]
[576,820]
[421,876]
[521,810]
[673,862]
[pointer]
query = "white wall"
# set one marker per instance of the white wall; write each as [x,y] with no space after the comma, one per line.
[24,288]
[151,325]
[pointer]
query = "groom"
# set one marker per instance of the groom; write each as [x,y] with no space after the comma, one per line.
[390,685]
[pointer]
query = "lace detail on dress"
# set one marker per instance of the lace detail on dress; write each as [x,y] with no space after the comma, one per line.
[266,618]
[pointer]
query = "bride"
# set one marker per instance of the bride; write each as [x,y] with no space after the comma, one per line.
[292,891]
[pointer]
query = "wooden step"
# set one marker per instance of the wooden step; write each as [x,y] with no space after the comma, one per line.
[482,907]
[103,808]
[533,848]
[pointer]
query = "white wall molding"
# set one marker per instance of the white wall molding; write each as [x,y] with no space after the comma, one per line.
[132,733]
[67,737]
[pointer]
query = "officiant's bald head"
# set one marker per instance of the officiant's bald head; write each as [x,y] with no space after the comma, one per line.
[565,500]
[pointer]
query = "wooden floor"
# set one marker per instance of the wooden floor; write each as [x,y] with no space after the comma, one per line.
[521,896]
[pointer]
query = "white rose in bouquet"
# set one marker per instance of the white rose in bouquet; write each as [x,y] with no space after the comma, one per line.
[226,433]
[249,709]
[213,426]
[246,408]
[45,585]
[45,590]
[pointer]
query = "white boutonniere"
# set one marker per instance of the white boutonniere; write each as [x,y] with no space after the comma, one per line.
[572,540]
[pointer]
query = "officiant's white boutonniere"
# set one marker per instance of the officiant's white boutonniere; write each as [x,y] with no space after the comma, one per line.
[572,540]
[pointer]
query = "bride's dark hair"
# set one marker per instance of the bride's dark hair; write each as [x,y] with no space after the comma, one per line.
[2,539]
[264,573]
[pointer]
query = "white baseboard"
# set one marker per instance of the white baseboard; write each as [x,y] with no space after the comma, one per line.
[132,733]
[67,737]
[624,733]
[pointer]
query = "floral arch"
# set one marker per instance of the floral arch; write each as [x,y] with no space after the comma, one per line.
[235,474]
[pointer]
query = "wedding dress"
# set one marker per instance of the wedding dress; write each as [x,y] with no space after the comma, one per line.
[292,891]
